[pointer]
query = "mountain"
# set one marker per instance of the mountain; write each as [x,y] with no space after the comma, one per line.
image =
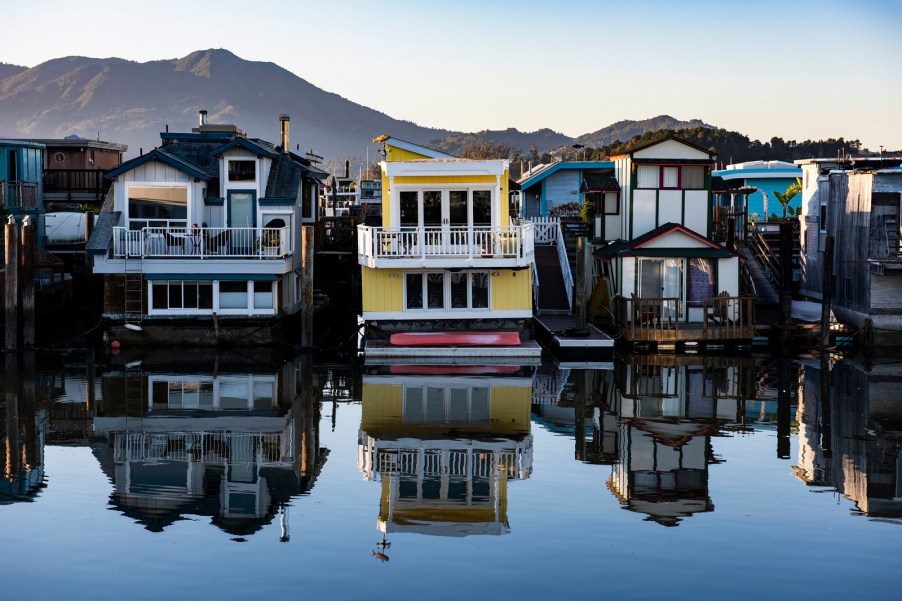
[131,103]
[624,130]
[8,70]
[123,101]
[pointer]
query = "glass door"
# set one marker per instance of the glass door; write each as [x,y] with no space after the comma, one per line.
[433,221]
[242,214]
[456,230]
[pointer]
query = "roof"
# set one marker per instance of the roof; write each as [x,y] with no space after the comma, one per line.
[538,176]
[718,184]
[673,137]
[79,142]
[284,179]
[410,146]
[598,182]
[635,247]
[167,158]
[254,146]
[102,235]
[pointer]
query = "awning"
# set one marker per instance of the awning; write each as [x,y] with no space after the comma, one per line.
[223,277]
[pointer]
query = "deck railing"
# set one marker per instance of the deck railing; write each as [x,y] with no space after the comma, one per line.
[75,180]
[663,319]
[19,195]
[202,242]
[510,242]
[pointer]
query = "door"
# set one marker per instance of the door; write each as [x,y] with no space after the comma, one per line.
[242,214]
[662,278]
[433,212]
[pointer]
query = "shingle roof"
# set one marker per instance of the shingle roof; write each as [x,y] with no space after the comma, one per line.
[100,239]
[598,182]
[284,178]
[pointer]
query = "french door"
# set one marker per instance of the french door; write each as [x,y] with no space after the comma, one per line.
[662,278]
[446,217]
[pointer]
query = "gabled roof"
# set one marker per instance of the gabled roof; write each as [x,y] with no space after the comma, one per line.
[249,145]
[636,246]
[673,137]
[538,176]
[411,147]
[284,179]
[164,157]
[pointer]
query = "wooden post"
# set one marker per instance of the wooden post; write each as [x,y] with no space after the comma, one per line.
[826,412]
[785,273]
[826,292]
[26,279]
[783,414]
[13,442]
[12,284]
[307,286]
[579,418]
[579,287]
[731,233]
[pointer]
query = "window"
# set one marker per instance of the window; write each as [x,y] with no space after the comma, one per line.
[233,295]
[611,203]
[263,295]
[169,295]
[242,171]
[461,290]
[701,281]
[674,177]
[59,157]
[157,206]
[823,218]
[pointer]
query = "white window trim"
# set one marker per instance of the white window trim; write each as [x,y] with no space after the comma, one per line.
[395,200]
[216,381]
[249,311]
[446,292]
[189,198]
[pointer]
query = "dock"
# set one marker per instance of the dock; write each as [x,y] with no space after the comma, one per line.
[568,343]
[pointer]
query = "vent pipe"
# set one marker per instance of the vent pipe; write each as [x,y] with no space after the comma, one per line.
[202,117]
[283,127]
[347,169]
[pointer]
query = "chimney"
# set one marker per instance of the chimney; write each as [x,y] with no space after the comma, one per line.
[283,126]
[202,117]
[347,169]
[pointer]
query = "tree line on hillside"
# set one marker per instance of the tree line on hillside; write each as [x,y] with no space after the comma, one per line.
[730,147]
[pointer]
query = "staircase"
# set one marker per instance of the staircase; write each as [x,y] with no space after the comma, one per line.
[764,288]
[893,239]
[133,306]
[552,289]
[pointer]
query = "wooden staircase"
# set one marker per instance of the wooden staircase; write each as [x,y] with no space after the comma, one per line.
[552,290]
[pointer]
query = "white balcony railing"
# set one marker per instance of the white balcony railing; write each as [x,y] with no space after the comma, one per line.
[202,242]
[447,242]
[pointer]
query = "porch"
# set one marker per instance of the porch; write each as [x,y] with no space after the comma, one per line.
[19,195]
[446,246]
[662,320]
[202,242]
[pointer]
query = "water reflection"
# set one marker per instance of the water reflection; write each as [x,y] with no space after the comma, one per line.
[25,430]
[444,442]
[668,408]
[850,433]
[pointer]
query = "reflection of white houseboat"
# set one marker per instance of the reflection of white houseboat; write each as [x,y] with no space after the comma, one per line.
[444,448]
[667,411]
[220,444]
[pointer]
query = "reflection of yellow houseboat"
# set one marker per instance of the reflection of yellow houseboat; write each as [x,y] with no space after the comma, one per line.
[668,409]
[444,448]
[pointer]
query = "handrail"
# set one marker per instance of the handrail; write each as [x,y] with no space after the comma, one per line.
[660,319]
[766,256]
[444,241]
[565,265]
[202,242]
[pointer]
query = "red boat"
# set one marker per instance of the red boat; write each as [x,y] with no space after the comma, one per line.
[455,339]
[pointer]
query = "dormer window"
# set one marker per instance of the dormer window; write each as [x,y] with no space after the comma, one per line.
[242,170]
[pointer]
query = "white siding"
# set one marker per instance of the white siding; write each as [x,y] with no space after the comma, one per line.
[628,278]
[670,149]
[670,207]
[697,211]
[728,275]
[675,239]
[644,212]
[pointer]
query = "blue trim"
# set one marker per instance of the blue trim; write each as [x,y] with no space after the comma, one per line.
[783,172]
[164,158]
[223,277]
[253,194]
[276,202]
[214,202]
[541,175]
[247,145]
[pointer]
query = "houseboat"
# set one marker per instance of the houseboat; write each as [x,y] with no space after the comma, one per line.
[446,261]
[669,282]
[200,241]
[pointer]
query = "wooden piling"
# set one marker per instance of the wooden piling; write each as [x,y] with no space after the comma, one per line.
[786,234]
[11,298]
[307,286]
[827,292]
[579,287]
[26,282]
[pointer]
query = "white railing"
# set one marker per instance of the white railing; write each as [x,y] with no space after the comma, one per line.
[548,229]
[508,242]
[202,447]
[202,242]
[565,265]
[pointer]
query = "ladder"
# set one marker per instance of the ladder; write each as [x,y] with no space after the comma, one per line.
[133,305]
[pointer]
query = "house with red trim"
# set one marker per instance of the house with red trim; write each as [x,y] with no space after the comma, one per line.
[664,278]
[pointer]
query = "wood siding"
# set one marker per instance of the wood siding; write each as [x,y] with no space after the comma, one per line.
[382,292]
[511,290]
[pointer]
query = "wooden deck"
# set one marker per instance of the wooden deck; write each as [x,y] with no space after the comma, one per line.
[563,340]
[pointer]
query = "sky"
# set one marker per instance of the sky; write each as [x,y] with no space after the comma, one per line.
[793,69]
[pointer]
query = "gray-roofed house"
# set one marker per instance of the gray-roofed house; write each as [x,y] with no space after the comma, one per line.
[201,238]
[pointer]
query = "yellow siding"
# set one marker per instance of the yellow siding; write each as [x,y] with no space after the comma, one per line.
[381,291]
[511,406]
[512,290]
[452,179]
[502,209]
[394,153]
[386,206]
[383,406]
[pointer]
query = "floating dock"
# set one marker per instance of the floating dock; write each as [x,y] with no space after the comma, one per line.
[568,343]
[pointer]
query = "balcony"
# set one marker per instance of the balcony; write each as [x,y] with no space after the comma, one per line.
[202,243]
[445,246]
[19,195]
[75,185]
[661,320]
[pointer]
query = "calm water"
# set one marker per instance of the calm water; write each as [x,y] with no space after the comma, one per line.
[189,475]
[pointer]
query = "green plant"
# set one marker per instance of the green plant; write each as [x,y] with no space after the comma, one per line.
[786,197]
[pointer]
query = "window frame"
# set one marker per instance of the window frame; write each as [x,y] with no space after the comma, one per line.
[661,167]
[250,309]
[447,277]
[236,160]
